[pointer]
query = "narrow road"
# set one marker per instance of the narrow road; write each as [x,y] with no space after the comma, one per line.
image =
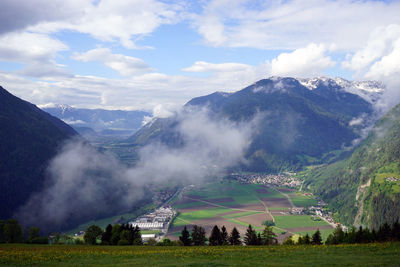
[285,195]
[265,206]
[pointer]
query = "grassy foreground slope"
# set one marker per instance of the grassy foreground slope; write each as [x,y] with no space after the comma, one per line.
[384,254]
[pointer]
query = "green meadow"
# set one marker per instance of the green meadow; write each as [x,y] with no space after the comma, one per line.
[377,254]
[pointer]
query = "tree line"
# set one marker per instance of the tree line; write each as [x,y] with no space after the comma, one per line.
[220,237]
[125,234]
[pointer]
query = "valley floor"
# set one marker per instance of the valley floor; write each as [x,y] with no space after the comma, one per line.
[380,254]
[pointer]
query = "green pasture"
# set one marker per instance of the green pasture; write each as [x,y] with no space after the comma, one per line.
[296,221]
[184,218]
[303,201]
[381,254]
[241,214]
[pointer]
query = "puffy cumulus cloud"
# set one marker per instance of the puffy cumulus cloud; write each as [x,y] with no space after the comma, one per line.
[18,14]
[292,24]
[125,65]
[36,51]
[117,20]
[28,47]
[309,61]
[84,183]
[379,59]
[381,42]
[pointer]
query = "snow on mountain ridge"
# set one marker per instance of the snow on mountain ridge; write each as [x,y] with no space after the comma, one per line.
[368,90]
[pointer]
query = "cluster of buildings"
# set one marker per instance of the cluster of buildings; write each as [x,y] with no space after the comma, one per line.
[286,179]
[392,179]
[159,219]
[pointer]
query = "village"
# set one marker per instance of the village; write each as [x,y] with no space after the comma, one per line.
[286,179]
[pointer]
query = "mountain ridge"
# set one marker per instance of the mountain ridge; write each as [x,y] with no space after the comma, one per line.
[299,124]
[30,138]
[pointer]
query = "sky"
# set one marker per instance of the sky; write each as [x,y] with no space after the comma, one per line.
[156,55]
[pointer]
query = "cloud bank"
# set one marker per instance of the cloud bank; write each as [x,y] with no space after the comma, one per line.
[84,183]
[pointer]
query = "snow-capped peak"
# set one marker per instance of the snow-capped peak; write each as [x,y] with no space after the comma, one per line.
[368,90]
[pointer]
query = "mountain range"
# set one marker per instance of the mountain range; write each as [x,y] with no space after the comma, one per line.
[29,138]
[303,121]
[94,122]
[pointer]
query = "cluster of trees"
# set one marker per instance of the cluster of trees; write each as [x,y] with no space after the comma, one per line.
[385,233]
[315,239]
[12,232]
[220,237]
[119,234]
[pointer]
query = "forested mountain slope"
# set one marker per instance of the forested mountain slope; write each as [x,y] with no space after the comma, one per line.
[29,138]
[365,189]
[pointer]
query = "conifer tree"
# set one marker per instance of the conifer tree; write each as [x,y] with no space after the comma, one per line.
[185,237]
[268,236]
[215,237]
[316,238]
[234,237]
[198,236]
[106,236]
[250,237]
[307,240]
[224,235]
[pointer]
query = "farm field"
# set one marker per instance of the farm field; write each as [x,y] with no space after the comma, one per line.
[237,205]
[380,254]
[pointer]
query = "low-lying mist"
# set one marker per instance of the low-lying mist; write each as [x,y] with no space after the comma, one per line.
[84,183]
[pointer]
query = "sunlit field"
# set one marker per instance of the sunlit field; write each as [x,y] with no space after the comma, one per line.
[385,254]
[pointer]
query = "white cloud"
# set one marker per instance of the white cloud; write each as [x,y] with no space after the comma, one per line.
[201,66]
[117,20]
[18,14]
[125,65]
[293,24]
[379,59]
[309,61]
[28,47]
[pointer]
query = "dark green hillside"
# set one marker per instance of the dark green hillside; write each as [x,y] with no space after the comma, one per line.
[29,138]
[298,126]
[365,189]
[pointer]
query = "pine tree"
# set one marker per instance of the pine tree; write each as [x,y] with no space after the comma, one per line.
[115,234]
[316,238]
[234,237]
[185,237]
[198,236]
[250,237]
[215,237]
[106,236]
[268,236]
[307,240]
[136,236]
[224,235]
